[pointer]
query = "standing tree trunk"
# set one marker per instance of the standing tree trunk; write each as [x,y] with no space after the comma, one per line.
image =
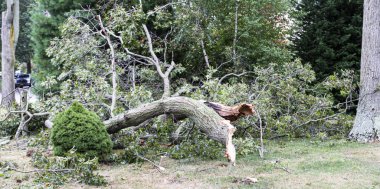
[9,37]
[234,55]
[367,122]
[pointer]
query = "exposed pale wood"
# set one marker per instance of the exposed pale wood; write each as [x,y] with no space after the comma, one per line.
[232,113]
[48,124]
[230,148]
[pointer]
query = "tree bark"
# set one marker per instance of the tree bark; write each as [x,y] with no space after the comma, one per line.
[166,93]
[205,118]
[9,35]
[367,121]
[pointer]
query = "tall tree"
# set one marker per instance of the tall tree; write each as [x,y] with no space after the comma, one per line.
[367,122]
[23,49]
[9,36]
[46,17]
[330,35]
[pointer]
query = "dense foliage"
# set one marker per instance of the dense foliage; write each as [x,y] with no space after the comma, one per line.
[288,100]
[46,17]
[83,75]
[156,140]
[82,130]
[237,34]
[9,125]
[291,61]
[330,35]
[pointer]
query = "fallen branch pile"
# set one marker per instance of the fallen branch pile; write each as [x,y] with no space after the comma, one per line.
[211,118]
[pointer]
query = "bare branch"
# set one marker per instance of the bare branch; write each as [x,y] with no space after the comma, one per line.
[148,59]
[231,74]
[44,170]
[205,54]
[158,167]
[166,43]
[113,65]
[150,44]
[163,7]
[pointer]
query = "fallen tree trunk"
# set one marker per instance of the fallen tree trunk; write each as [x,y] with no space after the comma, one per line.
[209,117]
[205,118]
[231,113]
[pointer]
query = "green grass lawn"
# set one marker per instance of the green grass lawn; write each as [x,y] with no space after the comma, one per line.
[287,164]
[316,164]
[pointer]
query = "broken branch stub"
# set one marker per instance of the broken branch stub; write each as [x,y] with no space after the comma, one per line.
[232,113]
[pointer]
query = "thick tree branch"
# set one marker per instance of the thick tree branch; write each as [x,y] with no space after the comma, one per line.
[205,119]
[231,74]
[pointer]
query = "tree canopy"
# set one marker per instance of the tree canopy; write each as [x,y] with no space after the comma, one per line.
[329,37]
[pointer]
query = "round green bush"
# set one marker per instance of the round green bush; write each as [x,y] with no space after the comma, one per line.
[81,129]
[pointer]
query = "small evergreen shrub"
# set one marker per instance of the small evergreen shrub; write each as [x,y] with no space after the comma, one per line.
[8,123]
[81,129]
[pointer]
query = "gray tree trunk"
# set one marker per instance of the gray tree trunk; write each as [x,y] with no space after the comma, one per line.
[9,37]
[367,122]
[205,119]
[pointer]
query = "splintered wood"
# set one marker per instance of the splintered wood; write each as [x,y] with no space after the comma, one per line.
[232,113]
